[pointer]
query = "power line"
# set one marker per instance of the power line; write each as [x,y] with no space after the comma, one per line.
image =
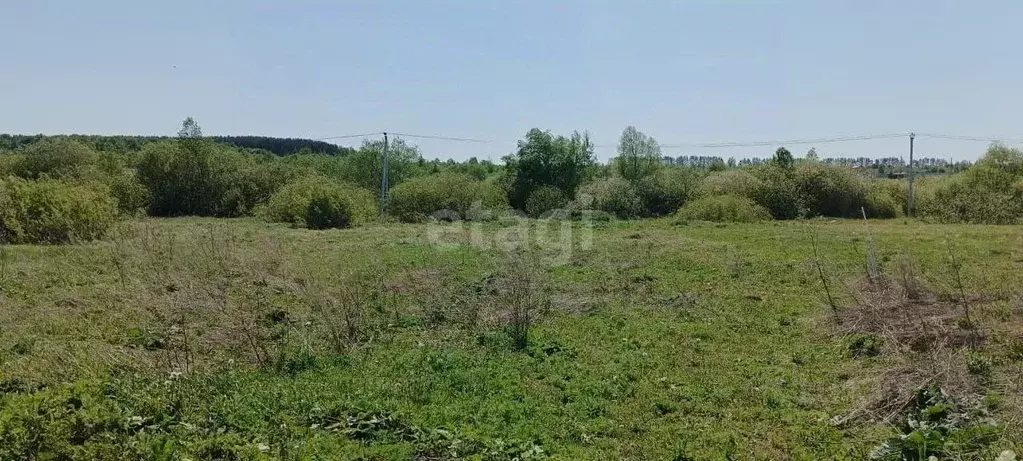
[786,142]
[450,138]
[708,145]
[968,138]
[344,136]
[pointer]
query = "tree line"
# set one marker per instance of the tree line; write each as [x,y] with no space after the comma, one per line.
[65,188]
[126,144]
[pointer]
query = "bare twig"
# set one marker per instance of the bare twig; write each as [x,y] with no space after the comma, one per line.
[956,265]
[820,269]
[872,270]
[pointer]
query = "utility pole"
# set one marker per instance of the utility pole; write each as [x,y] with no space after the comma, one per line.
[383,181]
[909,204]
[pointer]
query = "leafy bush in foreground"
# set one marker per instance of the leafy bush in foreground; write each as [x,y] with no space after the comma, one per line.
[724,208]
[317,201]
[419,198]
[615,196]
[54,211]
[8,163]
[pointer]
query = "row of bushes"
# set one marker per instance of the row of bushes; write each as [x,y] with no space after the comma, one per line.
[59,190]
[990,192]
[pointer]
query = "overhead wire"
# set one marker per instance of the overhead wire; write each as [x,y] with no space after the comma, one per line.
[968,138]
[704,145]
[345,136]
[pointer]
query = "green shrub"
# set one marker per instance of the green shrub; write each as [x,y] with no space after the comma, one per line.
[55,158]
[667,190]
[881,205]
[54,211]
[830,190]
[294,202]
[331,210]
[769,186]
[740,183]
[615,196]
[865,345]
[723,208]
[545,199]
[897,190]
[990,192]
[9,163]
[419,198]
[199,177]
[778,192]
[254,183]
[186,178]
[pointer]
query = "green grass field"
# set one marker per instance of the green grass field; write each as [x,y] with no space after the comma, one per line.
[236,339]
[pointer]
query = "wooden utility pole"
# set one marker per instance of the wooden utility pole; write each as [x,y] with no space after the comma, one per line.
[909,204]
[383,181]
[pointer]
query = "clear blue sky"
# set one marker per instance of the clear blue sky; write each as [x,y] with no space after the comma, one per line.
[685,71]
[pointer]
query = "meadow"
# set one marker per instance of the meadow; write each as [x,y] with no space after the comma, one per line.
[668,338]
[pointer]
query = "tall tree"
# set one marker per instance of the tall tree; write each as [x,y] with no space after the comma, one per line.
[366,165]
[544,159]
[783,158]
[190,129]
[639,155]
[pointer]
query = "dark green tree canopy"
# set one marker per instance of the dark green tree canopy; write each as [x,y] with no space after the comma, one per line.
[543,159]
[783,158]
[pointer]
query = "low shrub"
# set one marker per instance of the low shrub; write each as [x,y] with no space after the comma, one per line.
[132,197]
[615,196]
[545,199]
[667,190]
[9,163]
[830,190]
[316,201]
[740,183]
[202,178]
[54,211]
[330,210]
[990,192]
[723,208]
[778,192]
[896,190]
[419,198]
[881,205]
[769,186]
[253,183]
[55,158]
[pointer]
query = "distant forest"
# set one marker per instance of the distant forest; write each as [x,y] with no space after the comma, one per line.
[277,146]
